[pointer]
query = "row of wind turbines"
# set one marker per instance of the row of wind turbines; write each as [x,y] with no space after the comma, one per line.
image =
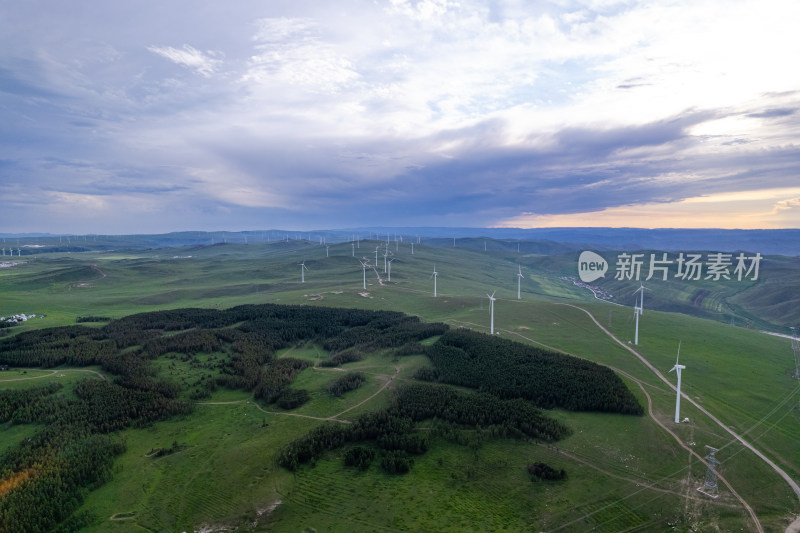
[387,268]
[638,310]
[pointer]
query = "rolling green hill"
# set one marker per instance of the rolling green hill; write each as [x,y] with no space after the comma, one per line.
[624,472]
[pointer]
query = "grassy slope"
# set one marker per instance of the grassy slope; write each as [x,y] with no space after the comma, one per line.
[227,469]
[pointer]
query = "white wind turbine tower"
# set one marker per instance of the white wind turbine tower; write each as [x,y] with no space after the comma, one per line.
[354,248]
[364,265]
[412,248]
[434,276]
[376,256]
[327,249]
[491,307]
[303,269]
[678,369]
[637,311]
[519,281]
[390,268]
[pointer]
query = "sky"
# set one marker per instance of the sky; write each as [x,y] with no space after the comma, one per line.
[153,116]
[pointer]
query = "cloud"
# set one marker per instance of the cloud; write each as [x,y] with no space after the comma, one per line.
[292,51]
[417,111]
[785,205]
[204,64]
[773,113]
[422,9]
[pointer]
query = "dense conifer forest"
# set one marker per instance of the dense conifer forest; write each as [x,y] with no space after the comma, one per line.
[512,370]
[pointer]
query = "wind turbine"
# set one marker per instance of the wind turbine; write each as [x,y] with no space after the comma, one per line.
[491,307]
[637,311]
[519,281]
[678,368]
[434,276]
[376,256]
[390,268]
[412,247]
[364,265]
[303,269]
[327,249]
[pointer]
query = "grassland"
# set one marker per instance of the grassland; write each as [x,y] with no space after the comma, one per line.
[624,473]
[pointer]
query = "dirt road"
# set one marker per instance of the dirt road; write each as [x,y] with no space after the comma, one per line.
[795,526]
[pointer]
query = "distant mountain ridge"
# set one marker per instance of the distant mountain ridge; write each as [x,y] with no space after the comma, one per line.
[549,240]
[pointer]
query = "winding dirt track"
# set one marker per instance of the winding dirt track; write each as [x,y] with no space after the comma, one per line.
[332,418]
[652,415]
[795,526]
[52,372]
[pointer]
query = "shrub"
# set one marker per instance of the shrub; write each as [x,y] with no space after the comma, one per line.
[546,472]
[359,456]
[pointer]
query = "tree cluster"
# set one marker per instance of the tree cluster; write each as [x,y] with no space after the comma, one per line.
[546,472]
[359,456]
[392,429]
[387,332]
[92,319]
[423,401]
[276,377]
[348,355]
[346,383]
[50,473]
[510,369]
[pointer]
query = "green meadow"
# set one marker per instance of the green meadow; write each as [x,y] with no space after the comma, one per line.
[624,473]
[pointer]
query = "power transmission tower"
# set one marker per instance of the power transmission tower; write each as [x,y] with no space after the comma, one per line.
[710,487]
